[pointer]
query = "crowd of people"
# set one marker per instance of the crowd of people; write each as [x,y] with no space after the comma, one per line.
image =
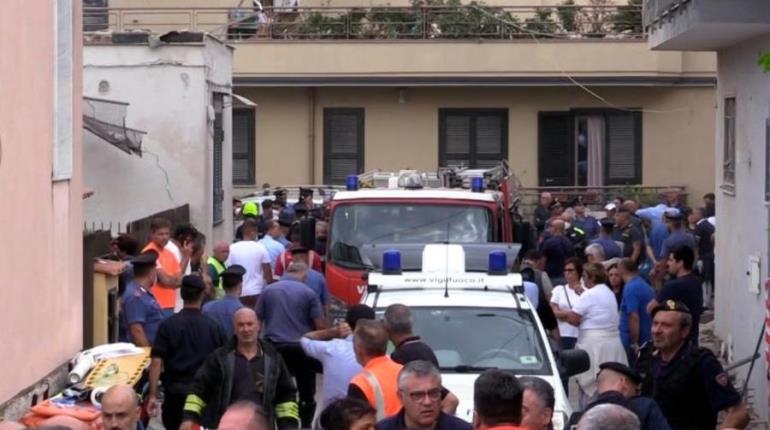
[238,338]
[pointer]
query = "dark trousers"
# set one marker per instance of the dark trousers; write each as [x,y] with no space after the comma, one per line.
[250,301]
[303,368]
[173,406]
[567,343]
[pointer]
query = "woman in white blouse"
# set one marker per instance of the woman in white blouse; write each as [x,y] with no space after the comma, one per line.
[564,298]
[596,315]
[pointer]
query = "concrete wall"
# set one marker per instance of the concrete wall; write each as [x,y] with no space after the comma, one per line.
[170,94]
[41,302]
[677,128]
[742,226]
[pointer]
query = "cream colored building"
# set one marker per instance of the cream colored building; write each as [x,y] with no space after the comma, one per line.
[41,301]
[586,104]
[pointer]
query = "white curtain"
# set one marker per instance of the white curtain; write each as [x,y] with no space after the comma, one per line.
[595,127]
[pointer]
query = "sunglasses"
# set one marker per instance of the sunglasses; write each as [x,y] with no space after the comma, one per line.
[433,394]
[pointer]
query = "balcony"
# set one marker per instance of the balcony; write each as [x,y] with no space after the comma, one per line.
[704,25]
[436,44]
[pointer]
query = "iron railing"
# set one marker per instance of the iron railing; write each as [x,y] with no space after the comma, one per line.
[419,22]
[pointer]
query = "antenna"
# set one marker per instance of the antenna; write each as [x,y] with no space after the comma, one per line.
[446,264]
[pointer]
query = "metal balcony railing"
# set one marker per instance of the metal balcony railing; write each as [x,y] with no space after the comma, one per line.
[419,22]
[655,10]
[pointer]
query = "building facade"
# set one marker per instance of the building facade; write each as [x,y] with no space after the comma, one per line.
[569,94]
[180,94]
[41,303]
[739,36]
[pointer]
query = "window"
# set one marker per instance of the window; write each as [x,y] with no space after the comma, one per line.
[218,195]
[590,148]
[343,143]
[728,160]
[243,147]
[474,138]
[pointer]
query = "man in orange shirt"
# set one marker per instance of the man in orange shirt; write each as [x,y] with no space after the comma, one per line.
[169,267]
[497,399]
[378,382]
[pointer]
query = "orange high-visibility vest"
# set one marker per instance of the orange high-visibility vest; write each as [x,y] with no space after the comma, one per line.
[379,382]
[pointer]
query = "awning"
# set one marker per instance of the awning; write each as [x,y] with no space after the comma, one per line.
[106,119]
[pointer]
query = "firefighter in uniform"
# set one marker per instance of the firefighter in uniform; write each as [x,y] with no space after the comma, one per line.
[687,382]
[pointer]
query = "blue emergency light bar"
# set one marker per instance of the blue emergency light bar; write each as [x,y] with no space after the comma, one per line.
[477,184]
[498,263]
[351,182]
[391,262]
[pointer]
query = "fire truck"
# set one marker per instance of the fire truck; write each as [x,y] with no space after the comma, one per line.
[381,211]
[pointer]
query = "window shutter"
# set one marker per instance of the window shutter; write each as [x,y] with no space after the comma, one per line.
[556,149]
[343,143]
[219,138]
[624,148]
[458,135]
[243,147]
[477,138]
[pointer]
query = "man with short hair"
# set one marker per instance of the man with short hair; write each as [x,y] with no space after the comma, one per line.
[289,309]
[630,235]
[543,211]
[609,417]
[253,256]
[605,240]
[419,388]
[287,257]
[244,369]
[183,342]
[120,408]
[678,236]
[538,404]
[704,236]
[398,323]
[587,223]
[313,278]
[216,265]
[270,240]
[688,382]
[497,401]
[377,384]
[244,415]
[684,287]
[556,249]
[169,271]
[223,310]
[635,321]
[709,203]
[333,348]
[140,314]
[535,260]
[594,253]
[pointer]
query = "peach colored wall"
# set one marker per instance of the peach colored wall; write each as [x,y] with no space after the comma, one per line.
[41,229]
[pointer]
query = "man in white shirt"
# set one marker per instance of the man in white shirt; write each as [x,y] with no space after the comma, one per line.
[254,257]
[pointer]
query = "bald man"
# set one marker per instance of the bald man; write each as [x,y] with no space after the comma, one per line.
[245,370]
[243,416]
[120,408]
[216,265]
[556,249]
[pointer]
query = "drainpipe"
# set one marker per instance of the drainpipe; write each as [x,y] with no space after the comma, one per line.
[311,132]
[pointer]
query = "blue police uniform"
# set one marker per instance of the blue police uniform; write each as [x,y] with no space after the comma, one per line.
[223,312]
[139,307]
[610,247]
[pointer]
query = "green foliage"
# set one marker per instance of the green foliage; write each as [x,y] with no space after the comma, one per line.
[318,25]
[628,19]
[542,24]
[567,16]
[764,62]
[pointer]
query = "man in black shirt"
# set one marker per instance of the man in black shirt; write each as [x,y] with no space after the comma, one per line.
[684,287]
[409,347]
[182,343]
[557,248]
[704,238]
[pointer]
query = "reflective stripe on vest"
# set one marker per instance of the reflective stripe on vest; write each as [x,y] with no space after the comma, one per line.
[219,267]
[379,398]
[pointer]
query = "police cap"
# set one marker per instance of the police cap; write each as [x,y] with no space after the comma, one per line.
[234,270]
[147,258]
[193,281]
[304,192]
[622,369]
[607,222]
[671,305]
[279,192]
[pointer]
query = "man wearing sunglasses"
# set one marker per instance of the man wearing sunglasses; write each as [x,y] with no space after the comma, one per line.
[419,387]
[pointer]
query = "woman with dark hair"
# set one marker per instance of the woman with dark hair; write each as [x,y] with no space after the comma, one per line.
[597,316]
[564,297]
[615,281]
[348,414]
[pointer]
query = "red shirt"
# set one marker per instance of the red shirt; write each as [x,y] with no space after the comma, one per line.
[285,259]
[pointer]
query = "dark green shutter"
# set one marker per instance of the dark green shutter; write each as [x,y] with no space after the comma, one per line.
[556,149]
[343,143]
[243,147]
[624,148]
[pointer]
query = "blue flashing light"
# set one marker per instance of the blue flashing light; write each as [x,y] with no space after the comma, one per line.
[391,262]
[477,184]
[498,263]
[351,182]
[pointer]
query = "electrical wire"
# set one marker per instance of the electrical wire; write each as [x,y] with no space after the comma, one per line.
[564,73]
